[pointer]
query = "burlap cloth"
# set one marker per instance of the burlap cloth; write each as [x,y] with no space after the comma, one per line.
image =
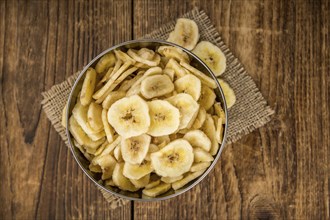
[249,112]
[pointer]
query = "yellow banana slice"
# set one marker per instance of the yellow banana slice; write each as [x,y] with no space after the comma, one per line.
[147,60]
[135,149]
[137,171]
[188,108]
[199,121]
[171,179]
[174,159]
[164,118]
[228,92]
[105,62]
[199,166]
[174,52]
[212,56]
[219,111]
[198,139]
[120,180]
[201,155]
[189,84]
[81,137]
[129,116]
[179,71]
[94,116]
[156,86]
[124,57]
[207,97]
[185,33]
[79,112]
[112,98]
[204,78]
[88,87]
[189,177]
[142,182]
[157,190]
[209,129]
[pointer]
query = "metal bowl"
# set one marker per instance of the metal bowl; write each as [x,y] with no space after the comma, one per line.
[84,163]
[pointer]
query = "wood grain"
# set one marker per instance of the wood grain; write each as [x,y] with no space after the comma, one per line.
[42,44]
[280,171]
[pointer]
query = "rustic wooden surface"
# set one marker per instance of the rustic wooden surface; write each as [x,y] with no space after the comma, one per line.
[280,171]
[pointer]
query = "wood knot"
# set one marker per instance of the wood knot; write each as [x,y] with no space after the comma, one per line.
[263,207]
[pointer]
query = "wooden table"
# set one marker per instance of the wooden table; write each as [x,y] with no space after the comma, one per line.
[280,171]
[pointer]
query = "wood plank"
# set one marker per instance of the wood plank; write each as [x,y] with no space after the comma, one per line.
[278,171]
[311,109]
[281,170]
[43,43]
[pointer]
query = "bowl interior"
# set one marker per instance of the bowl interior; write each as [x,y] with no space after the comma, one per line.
[84,163]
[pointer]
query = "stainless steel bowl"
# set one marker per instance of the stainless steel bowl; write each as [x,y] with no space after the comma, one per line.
[83,162]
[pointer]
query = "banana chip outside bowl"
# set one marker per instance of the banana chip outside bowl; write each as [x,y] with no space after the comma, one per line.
[84,163]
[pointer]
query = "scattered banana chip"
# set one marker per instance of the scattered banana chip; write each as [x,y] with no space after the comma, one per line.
[228,92]
[199,166]
[94,116]
[155,86]
[219,111]
[174,52]
[63,121]
[191,176]
[95,168]
[199,121]
[117,154]
[146,57]
[170,73]
[219,130]
[204,78]
[137,171]
[209,129]
[109,182]
[185,33]
[125,86]
[107,164]
[124,57]
[79,112]
[161,139]
[189,84]
[207,97]
[201,155]
[188,108]
[107,127]
[81,137]
[88,87]
[164,118]
[135,149]
[142,182]
[129,116]
[109,147]
[157,190]
[120,180]
[179,71]
[105,62]
[171,179]
[147,120]
[198,138]
[152,184]
[174,159]
[98,95]
[112,98]
[212,56]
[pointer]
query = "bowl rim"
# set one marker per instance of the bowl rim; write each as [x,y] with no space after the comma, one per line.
[196,181]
